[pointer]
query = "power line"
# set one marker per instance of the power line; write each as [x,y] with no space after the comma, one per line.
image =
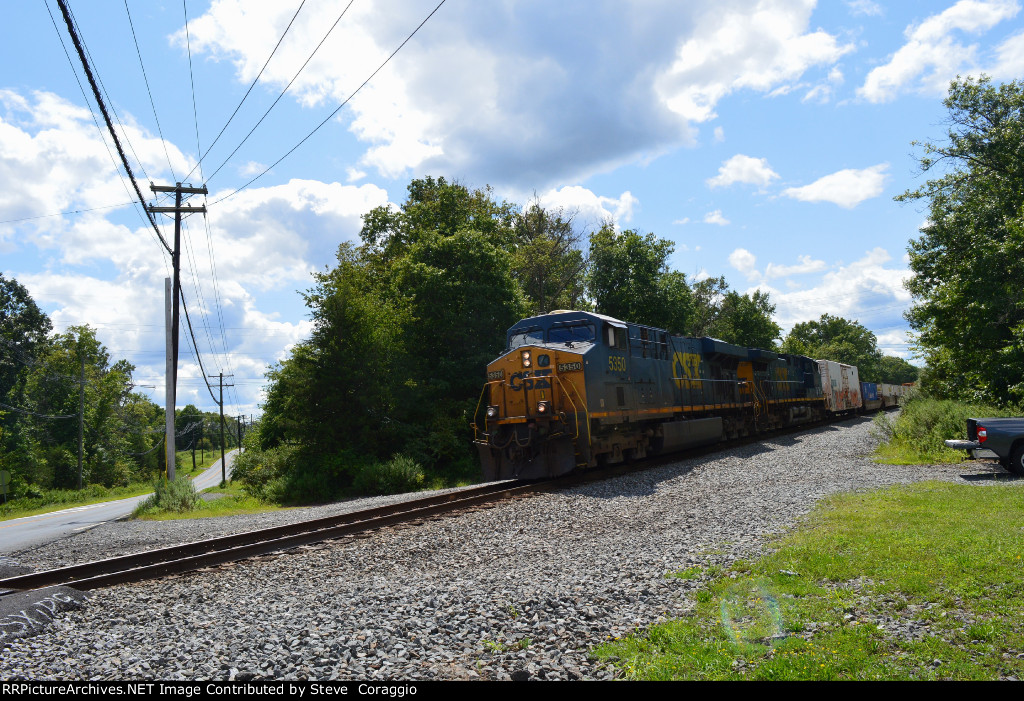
[106,116]
[148,90]
[338,109]
[92,112]
[274,103]
[62,214]
[251,86]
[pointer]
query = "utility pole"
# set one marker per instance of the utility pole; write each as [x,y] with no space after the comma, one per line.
[223,465]
[172,296]
[238,421]
[81,411]
[169,385]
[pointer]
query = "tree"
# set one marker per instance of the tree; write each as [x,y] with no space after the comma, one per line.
[746,320]
[896,371]
[630,279]
[968,263]
[708,295]
[547,260]
[838,339]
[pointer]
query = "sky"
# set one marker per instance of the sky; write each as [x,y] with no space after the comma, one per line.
[765,138]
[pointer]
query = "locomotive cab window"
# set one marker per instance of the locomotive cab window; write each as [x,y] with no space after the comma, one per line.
[571,332]
[530,336]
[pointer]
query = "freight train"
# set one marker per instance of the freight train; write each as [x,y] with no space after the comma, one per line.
[577,389]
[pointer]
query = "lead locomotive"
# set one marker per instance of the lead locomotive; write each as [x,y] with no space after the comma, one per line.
[577,389]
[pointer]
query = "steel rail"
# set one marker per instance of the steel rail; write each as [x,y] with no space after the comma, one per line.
[215,551]
[188,557]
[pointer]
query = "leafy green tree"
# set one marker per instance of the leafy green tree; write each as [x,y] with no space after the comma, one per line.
[838,339]
[52,389]
[746,320]
[969,260]
[547,260]
[190,416]
[708,295]
[23,334]
[630,279]
[402,328]
[896,371]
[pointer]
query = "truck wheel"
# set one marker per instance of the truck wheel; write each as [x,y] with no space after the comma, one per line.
[1016,462]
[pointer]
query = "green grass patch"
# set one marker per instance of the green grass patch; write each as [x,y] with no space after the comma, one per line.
[914,582]
[204,459]
[915,435]
[232,500]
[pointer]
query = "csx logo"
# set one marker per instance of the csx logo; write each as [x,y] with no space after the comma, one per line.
[529,380]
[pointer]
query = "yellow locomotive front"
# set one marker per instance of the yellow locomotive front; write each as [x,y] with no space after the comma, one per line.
[531,420]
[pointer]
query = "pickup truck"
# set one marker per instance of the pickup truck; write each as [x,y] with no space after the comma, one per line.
[1004,437]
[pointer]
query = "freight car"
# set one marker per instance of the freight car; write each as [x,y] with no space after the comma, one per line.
[577,389]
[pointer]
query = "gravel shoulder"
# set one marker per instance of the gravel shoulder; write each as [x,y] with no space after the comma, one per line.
[520,590]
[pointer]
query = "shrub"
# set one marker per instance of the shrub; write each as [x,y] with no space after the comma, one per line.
[178,495]
[917,433]
[398,475]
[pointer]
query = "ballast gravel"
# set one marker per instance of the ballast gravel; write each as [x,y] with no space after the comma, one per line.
[520,590]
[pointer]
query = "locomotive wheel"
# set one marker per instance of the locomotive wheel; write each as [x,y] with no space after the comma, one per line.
[1016,462]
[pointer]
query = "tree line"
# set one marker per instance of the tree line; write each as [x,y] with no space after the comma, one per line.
[382,393]
[46,377]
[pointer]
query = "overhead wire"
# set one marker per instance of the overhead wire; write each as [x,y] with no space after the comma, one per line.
[103,88]
[251,86]
[99,100]
[278,99]
[152,104]
[338,109]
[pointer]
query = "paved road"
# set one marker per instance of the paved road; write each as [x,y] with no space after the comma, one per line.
[21,533]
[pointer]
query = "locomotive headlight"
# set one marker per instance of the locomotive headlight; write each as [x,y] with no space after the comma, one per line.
[492,412]
[526,359]
[544,408]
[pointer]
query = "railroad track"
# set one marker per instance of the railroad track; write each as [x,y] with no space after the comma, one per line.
[217,551]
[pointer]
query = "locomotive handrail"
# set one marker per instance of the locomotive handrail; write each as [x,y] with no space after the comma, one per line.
[576,411]
[477,410]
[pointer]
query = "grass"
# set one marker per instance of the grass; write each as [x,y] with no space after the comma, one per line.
[235,501]
[914,582]
[915,435]
[204,459]
[58,499]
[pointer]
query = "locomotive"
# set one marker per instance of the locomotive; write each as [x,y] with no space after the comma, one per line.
[577,389]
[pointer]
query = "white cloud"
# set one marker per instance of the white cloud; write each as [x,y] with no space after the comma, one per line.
[591,209]
[931,56]
[744,261]
[846,188]
[251,168]
[716,217]
[743,169]
[475,92]
[719,135]
[868,290]
[53,159]
[865,7]
[736,47]
[682,222]
[806,265]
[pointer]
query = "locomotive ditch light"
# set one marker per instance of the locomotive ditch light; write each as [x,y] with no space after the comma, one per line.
[526,359]
[544,408]
[492,412]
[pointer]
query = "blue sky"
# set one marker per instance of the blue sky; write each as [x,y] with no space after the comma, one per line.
[766,139]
